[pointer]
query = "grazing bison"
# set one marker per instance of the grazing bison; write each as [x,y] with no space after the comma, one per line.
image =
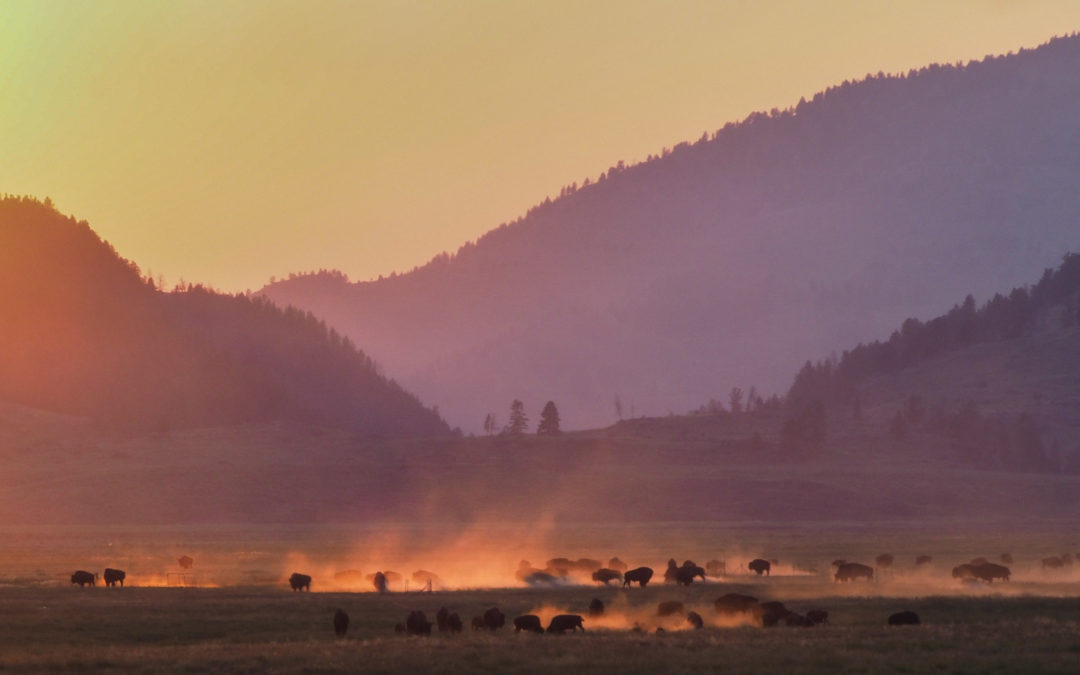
[494,619]
[685,574]
[379,582]
[669,607]
[735,603]
[84,578]
[617,565]
[990,571]
[904,619]
[113,577]
[760,566]
[716,568]
[453,623]
[440,619]
[817,616]
[605,575]
[923,560]
[528,622]
[884,561]
[417,624]
[341,623]
[596,607]
[1052,563]
[299,582]
[641,575]
[560,623]
[186,562]
[852,571]
[695,620]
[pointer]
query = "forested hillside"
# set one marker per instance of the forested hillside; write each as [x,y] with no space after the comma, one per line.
[725,261]
[83,333]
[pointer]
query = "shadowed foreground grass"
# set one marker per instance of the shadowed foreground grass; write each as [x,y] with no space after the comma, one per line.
[273,630]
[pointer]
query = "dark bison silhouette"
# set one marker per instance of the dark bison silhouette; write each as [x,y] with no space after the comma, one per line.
[441,617]
[884,561]
[113,577]
[904,619]
[341,623]
[617,565]
[990,571]
[669,607]
[494,619]
[641,575]
[735,603]
[851,571]
[694,619]
[760,566]
[379,582]
[817,616]
[775,608]
[417,624]
[923,560]
[672,572]
[685,574]
[606,575]
[528,622]
[186,561]
[84,578]
[299,582]
[560,623]
[596,607]
[453,623]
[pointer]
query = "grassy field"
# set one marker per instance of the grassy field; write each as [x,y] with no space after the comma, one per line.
[273,630]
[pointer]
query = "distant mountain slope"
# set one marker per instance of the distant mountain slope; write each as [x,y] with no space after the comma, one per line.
[724,262]
[81,332]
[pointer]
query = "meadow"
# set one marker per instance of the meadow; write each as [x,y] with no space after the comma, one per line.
[231,624]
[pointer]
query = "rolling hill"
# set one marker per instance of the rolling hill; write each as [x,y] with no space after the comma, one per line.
[82,333]
[725,261]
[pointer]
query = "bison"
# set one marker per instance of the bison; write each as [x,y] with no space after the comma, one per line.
[735,603]
[641,575]
[817,616]
[113,577]
[440,619]
[560,623]
[299,582]
[606,575]
[923,560]
[672,572]
[852,571]
[417,624]
[84,578]
[617,565]
[341,623]
[695,620]
[494,619]
[596,607]
[528,622]
[760,566]
[776,608]
[453,623]
[904,619]
[964,571]
[685,574]
[379,582]
[990,571]
[186,562]
[669,607]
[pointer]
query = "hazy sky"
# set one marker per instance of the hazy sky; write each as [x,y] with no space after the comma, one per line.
[226,142]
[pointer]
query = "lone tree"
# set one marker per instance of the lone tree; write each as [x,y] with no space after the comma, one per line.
[518,421]
[549,420]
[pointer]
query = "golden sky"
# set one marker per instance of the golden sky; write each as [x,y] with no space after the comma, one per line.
[225,142]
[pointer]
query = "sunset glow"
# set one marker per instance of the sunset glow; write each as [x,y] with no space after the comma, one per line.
[229,142]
